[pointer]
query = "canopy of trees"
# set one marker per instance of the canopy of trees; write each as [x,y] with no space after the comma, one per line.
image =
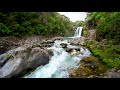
[106,23]
[79,23]
[34,23]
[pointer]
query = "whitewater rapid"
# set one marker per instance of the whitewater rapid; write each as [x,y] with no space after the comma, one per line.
[60,63]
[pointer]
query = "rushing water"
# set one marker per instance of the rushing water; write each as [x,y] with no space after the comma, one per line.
[60,63]
[78,32]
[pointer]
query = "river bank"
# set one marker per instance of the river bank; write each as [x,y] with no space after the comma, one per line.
[105,62]
[19,56]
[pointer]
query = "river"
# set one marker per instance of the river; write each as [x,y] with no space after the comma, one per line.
[61,61]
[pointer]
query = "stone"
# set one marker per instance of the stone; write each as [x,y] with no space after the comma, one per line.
[50,41]
[70,48]
[114,75]
[64,45]
[24,59]
[3,59]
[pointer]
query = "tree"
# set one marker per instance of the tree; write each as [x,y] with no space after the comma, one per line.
[34,23]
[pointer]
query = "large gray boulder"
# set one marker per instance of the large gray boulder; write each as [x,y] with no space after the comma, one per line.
[23,59]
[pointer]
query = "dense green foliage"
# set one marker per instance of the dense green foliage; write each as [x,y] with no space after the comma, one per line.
[107,52]
[34,23]
[106,23]
[79,23]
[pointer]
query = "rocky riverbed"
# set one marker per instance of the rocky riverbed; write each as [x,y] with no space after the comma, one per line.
[28,54]
[18,56]
[93,66]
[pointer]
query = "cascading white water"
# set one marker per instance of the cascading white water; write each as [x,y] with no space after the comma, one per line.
[59,64]
[78,32]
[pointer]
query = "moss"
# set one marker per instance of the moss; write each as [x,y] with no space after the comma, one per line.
[90,59]
[87,68]
[8,57]
[108,53]
[86,33]
[88,43]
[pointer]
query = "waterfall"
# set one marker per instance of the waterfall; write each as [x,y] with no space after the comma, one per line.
[78,32]
[61,62]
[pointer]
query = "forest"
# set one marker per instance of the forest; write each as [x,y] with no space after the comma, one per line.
[26,36]
[34,23]
[107,25]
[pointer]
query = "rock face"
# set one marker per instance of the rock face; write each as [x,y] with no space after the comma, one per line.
[92,35]
[78,41]
[6,45]
[12,42]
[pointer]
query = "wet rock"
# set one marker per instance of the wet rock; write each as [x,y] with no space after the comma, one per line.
[69,49]
[74,52]
[50,52]
[64,45]
[90,67]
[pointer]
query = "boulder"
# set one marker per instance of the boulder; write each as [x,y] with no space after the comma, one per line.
[23,59]
[64,45]
[70,48]
[74,52]
[50,41]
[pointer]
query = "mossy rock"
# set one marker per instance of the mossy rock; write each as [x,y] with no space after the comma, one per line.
[90,59]
[89,66]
